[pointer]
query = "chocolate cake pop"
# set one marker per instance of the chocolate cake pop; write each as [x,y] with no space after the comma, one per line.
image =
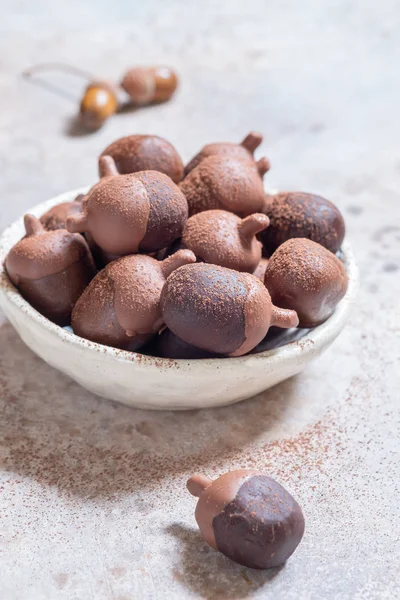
[149,85]
[121,306]
[50,269]
[56,217]
[249,517]
[221,238]
[135,153]
[259,271]
[243,151]
[297,214]
[220,310]
[169,345]
[224,182]
[125,214]
[304,276]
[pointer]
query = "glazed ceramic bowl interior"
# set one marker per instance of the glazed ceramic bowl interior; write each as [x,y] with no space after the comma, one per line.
[159,383]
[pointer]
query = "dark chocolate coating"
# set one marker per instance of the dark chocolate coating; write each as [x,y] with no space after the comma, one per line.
[261,527]
[56,217]
[220,310]
[169,345]
[186,300]
[224,182]
[297,214]
[51,269]
[306,277]
[135,153]
[243,151]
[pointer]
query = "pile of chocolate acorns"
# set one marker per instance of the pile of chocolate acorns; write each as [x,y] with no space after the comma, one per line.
[182,262]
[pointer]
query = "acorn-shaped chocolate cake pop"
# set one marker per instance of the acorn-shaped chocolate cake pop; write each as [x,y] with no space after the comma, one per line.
[222,238]
[56,217]
[297,214]
[306,277]
[135,153]
[50,269]
[121,306]
[220,310]
[123,214]
[243,151]
[224,182]
[249,517]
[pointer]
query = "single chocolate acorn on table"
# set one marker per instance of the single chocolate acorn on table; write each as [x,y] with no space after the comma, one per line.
[135,153]
[249,517]
[243,151]
[220,310]
[306,277]
[50,269]
[124,214]
[222,238]
[228,183]
[297,214]
[56,217]
[121,306]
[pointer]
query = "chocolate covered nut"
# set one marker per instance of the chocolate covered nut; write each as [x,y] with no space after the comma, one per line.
[51,269]
[297,214]
[225,182]
[125,214]
[135,153]
[249,517]
[304,276]
[220,310]
[221,238]
[169,345]
[121,306]
[56,217]
[243,151]
[149,85]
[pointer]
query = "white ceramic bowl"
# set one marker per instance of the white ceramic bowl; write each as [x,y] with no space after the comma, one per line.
[160,383]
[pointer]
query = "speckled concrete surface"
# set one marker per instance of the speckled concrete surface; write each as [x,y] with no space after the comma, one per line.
[93,501]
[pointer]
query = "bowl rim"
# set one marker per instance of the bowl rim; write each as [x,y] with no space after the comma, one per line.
[306,344]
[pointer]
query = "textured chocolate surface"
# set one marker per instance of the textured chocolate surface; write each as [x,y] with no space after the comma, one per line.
[304,276]
[127,213]
[145,153]
[51,269]
[224,182]
[56,217]
[261,527]
[221,238]
[243,151]
[297,214]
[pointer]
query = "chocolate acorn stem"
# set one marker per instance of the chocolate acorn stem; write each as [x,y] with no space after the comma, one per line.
[107,166]
[32,224]
[263,165]
[284,317]
[252,141]
[253,224]
[180,258]
[197,483]
[77,223]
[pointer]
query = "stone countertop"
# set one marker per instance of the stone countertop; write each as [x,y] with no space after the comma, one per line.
[93,501]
